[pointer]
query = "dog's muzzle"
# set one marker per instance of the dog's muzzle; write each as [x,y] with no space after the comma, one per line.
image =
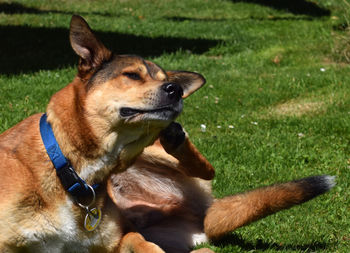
[168,107]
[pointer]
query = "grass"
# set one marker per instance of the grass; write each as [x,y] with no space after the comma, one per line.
[276,71]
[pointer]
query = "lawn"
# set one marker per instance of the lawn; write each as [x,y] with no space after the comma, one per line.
[276,105]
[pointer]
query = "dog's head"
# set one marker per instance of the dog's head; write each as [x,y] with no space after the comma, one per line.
[125,93]
[127,88]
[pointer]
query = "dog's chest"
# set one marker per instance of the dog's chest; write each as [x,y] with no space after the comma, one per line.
[60,233]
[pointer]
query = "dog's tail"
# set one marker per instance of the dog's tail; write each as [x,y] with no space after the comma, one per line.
[235,211]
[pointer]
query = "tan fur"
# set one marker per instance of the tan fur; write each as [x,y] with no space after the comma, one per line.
[115,107]
[172,209]
[134,242]
[233,212]
[161,199]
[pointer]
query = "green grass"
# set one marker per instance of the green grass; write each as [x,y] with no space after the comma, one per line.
[262,61]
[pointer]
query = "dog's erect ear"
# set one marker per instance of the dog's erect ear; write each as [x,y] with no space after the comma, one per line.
[189,81]
[90,49]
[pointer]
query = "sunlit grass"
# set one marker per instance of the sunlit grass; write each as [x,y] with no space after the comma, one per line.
[275,106]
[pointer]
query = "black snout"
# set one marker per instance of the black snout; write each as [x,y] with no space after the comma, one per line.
[172,90]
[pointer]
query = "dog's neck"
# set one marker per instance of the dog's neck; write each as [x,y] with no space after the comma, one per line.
[93,157]
[65,112]
[120,150]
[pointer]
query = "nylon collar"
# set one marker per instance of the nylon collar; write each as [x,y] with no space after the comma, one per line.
[70,180]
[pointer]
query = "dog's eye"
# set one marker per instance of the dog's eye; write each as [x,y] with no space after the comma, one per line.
[132,75]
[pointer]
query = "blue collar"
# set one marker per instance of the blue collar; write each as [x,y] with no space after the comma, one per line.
[70,180]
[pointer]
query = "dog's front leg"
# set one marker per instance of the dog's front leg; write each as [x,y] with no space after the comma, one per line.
[135,243]
[202,250]
[191,162]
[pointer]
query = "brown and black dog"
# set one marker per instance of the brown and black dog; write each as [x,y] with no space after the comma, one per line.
[102,120]
[152,199]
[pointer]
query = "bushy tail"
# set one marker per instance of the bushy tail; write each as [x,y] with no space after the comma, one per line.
[232,212]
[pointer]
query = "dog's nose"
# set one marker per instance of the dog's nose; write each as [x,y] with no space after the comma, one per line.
[173,90]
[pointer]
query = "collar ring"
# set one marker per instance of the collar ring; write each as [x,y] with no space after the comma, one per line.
[92,201]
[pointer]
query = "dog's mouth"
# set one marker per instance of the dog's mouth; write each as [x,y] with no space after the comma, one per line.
[170,109]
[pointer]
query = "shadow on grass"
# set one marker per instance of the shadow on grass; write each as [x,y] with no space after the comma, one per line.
[310,11]
[16,8]
[181,19]
[234,239]
[299,7]
[25,49]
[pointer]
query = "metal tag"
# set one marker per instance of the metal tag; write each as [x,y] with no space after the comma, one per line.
[92,219]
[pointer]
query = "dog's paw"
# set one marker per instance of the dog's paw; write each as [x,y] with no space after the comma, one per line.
[172,137]
[202,250]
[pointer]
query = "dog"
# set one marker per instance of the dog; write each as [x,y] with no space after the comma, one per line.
[55,166]
[177,211]
[106,168]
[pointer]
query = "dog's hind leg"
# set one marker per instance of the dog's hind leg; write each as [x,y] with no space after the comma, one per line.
[174,150]
[191,162]
[135,243]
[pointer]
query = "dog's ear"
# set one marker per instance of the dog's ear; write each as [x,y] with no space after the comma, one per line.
[90,49]
[189,81]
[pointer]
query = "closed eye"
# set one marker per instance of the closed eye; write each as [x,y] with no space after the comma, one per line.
[132,75]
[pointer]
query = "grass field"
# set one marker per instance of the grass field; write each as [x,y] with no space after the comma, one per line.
[276,104]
